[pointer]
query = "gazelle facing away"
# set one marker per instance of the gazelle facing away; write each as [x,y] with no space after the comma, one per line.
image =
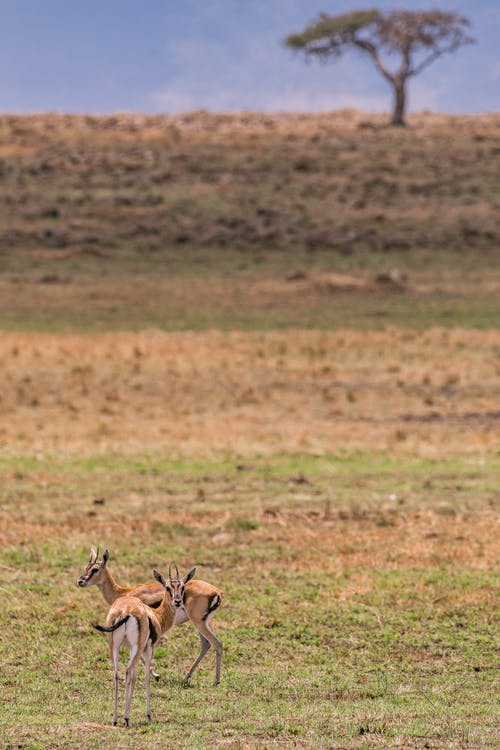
[132,623]
[192,600]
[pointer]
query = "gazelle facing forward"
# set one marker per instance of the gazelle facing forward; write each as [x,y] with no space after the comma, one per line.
[196,601]
[193,600]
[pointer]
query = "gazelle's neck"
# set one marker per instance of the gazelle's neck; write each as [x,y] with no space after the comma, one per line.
[109,588]
[165,614]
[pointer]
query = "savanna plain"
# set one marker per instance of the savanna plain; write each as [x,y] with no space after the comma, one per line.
[266,345]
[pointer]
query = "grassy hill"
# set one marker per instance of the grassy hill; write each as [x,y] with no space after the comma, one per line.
[248,221]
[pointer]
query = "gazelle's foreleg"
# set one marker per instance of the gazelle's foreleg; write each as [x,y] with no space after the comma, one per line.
[207,635]
[204,646]
[151,670]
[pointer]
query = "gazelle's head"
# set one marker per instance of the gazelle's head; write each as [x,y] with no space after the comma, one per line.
[94,569]
[175,586]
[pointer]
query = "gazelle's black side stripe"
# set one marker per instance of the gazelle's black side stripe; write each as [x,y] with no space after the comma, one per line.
[214,603]
[155,605]
[152,631]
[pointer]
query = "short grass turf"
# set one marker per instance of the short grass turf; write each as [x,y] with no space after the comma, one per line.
[359,600]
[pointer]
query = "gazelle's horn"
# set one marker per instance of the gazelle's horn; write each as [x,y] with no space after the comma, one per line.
[91,556]
[177,572]
[170,572]
[97,554]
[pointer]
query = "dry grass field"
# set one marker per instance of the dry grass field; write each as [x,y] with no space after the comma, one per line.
[432,394]
[268,346]
[248,221]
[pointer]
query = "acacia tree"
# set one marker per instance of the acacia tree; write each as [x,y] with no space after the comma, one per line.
[415,39]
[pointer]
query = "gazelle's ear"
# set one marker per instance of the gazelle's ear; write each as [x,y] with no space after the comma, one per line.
[93,555]
[105,558]
[159,578]
[189,575]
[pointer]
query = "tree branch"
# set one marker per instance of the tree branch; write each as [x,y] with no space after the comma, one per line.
[430,59]
[372,51]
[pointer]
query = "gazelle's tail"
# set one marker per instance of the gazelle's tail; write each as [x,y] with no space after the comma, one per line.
[111,628]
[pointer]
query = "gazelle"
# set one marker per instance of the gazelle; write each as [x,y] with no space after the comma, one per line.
[193,600]
[132,623]
[196,601]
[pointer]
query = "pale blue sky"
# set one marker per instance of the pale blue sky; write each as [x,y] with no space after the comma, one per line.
[103,56]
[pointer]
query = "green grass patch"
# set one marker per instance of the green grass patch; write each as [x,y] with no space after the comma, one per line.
[298,664]
[323,648]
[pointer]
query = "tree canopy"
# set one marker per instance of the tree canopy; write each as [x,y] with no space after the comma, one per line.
[416,39]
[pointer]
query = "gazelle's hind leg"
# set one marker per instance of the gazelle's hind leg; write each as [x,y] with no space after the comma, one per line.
[148,653]
[130,677]
[115,649]
[137,637]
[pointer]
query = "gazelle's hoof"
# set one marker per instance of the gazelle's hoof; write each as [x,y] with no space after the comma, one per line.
[149,718]
[127,723]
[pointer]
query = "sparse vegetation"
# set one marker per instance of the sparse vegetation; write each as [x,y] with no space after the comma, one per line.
[248,221]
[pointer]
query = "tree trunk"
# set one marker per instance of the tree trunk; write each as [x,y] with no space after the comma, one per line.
[398,113]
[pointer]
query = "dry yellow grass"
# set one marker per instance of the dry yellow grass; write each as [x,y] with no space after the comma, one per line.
[433,393]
